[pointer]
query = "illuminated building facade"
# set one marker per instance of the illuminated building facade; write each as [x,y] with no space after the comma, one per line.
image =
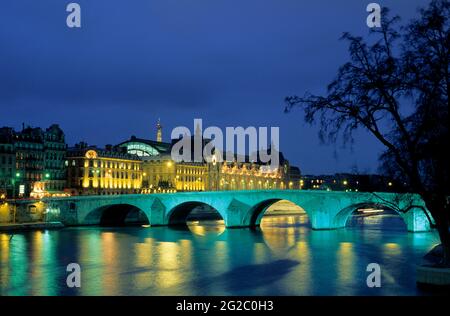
[234,175]
[36,163]
[55,149]
[94,171]
[162,174]
[32,162]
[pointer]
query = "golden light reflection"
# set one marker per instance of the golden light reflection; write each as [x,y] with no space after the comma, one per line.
[279,240]
[346,262]
[304,272]
[143,252]
[186,252]
[282,225]
[110,263]
[42,255]
[281,232]
[210,228]
[4,247]
[260,253]
[36,259]
[168,265]
[168,255]
[4,258]
[392,249]
[144,262]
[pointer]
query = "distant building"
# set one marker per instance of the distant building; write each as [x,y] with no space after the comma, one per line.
[36,163]
[350,183]
[162,174]
[95,171]
[7,162]
[32,162]
[55,149]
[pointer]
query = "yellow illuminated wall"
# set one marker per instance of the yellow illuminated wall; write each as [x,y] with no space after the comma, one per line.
[167,175]
[105,175]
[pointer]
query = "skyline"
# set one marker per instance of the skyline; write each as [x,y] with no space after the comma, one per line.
[117,75]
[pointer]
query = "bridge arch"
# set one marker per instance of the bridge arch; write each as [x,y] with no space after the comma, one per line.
[178,215]
[414,219]
[256,212]
[119,214]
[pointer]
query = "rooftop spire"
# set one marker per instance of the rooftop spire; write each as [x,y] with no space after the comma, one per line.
[159,131]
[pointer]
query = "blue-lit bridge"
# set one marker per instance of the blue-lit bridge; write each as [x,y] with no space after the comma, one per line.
[326,210]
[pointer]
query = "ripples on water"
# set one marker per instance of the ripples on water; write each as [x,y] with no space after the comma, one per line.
[283,257]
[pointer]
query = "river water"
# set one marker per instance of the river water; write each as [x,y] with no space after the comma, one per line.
[283,257]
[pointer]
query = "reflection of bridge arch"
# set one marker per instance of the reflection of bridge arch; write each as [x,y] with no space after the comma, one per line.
[257,212]
[178,215]
[117,215]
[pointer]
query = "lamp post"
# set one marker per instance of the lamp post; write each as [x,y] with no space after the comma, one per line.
[44,190]
[14,196]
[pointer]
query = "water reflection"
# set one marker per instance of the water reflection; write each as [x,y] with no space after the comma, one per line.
[282,232]
[346,262]
[109,261]
[283,257]
[206,227]
[44,258]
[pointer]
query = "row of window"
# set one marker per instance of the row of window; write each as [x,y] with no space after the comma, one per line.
[29,155]
[195,171]
[6,148]
[106,164]
[6,160]
[109,185]
[36,146]
[54,165]
[79,173]
[113,174]
[61,146]
[190,179]
[31,176]
[54,156]
[30,165]
[7,172]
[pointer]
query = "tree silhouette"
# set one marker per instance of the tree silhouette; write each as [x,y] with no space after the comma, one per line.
[397,87]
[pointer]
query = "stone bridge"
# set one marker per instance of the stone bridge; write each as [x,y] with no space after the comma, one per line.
[326,210]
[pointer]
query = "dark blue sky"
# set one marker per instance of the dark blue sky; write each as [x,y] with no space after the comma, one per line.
[230,62]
